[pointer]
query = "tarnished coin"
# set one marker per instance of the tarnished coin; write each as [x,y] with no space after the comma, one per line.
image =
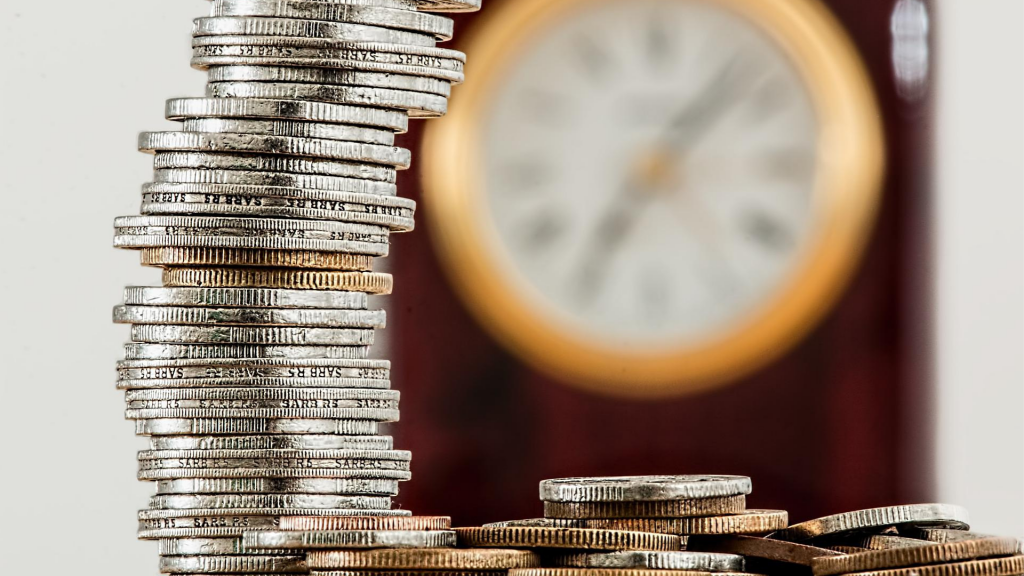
[242,564]
[1006,566]
[236,501]
[715,506]
[295,336]
[292,128]
[327,523]
[912,515]
[746,522]
[349,539]
[916,556]
[941,535]
[185,108]
[156,351]
[209,547]
[634,488]
[364,486]
[264,144]
[874,541]
[423,559]
[439,26]
[215,277]
[198,256]
[449,5]
[204,315]
[302,75]
[688,560]
[760,548]
[417,104]
[303,28]
[204,426]
[290,442]
[243,298]
[537,523]
[614,572]
[574,538]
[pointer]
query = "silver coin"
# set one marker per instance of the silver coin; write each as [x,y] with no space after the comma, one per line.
[262,373]
[440,27]
[156,524]
[358,414]
[291,128]
[260,469]
[231,426]
[157,351]
[537,523]
[908,516]
[255,398]
[252,335]
[941,535]
[184,108]
[233,564]
[216,501]
[248,54]
[329,76]
[292,442]
[642,488]
[259,26]
[373,457]
[272,163]
[263,144]
[370,486]
[202,315]
[251,233]
[248,298]
[275,179]
[349,539]
[701,561]
[209,547]
[301,205]
[417,104]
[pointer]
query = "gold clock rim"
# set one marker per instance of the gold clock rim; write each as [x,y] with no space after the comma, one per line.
[851,166]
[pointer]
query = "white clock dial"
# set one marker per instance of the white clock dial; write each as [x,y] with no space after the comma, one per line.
[649,169]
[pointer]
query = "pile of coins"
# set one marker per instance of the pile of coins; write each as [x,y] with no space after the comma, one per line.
[249,367]
[637,526]
[679,505]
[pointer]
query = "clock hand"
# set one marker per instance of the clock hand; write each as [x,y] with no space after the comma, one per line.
[702,113]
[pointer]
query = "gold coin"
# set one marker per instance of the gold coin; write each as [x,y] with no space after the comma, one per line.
[746,522]
[577,538]
[755,547]
[614,572]
[369,282]
[185,256]
[423,559]
[1009,566]
[366,523]
[919,556]
[647,509]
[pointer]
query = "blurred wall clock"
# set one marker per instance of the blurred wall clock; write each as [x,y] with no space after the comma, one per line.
[652,197]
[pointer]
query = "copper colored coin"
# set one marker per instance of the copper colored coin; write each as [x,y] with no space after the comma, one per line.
[1008,566]
[185,256]
[917,556]
[876,519]
[366,523]
[647,508]
[614,572]
[573,538]
[754,547]
[746,522]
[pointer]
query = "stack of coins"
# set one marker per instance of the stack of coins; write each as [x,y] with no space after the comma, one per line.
[680,505]
[249,366]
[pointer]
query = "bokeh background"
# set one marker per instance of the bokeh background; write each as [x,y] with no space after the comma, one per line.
[926,404]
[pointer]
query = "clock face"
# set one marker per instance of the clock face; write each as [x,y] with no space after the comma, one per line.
[649,197]
[649,169]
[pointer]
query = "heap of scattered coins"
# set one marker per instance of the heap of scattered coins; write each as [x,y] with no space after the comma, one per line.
[249,366]
[911,540]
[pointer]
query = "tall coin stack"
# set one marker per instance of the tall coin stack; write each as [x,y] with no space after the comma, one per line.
[249,367]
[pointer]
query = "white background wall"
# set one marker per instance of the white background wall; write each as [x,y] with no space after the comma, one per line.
[979,225]
[78,80]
